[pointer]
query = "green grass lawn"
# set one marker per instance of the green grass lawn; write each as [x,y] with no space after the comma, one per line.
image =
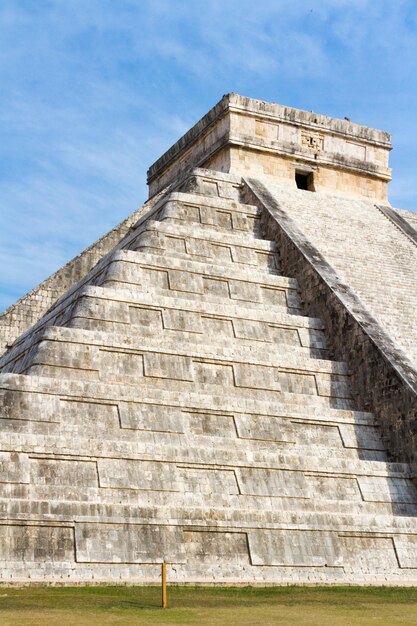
[139,606]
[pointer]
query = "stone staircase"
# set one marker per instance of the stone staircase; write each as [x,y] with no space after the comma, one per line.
[178,405]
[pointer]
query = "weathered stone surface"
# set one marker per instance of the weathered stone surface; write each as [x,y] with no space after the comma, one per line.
[210,393]
[245,136]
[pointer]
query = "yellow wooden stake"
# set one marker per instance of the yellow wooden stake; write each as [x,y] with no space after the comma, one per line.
[164,585]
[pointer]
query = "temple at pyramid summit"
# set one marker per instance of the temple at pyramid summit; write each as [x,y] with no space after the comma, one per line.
[227,380]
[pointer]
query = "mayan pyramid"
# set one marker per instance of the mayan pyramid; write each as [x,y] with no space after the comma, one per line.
[227,380]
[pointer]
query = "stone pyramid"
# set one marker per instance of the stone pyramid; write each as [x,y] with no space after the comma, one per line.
[227,380]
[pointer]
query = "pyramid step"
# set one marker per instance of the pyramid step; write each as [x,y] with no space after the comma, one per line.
[232,309]
[178,326]
[227,402]
[153,314]
[195,235]
[295,359]
[186,245]
[73,492]
[199,279]
[203,268]
[273,488]
[185,242]
[119,307]
[251,433]
[71,352]
[175,327]
[207,213]
[141,454]
[250,520]
[174,419]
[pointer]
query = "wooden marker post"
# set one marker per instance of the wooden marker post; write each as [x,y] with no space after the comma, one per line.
[164,585]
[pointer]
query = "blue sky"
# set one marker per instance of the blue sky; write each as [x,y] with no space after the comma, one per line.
[93,91]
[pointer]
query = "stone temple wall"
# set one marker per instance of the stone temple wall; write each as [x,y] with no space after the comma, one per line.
[231,387]
[180,404]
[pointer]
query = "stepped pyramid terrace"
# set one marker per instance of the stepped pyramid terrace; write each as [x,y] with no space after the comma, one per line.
[227,380]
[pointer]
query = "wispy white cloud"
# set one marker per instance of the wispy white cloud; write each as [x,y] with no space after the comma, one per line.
[93,92]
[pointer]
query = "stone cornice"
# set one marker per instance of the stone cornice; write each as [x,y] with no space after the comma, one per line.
[234,104]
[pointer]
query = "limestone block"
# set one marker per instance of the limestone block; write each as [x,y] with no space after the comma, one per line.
[286,336]
[295,548]
[160,365]
[217,326]
[209,547]
[184,281]
[146,318]
[312,338]
[246,223]
[245,255]
[121,366]
[406,550]
[152,417]
[69,355]
[211,424]
[268,262]
[32,542]
[246,291]
[155,278]
[292,297]
[265,428]
[27,406]
[100,309]
[14,467]
[278,297]
[119,272]
[198,247]
[98,415]
[216,287]
[334,488]
[368,555]
[126,474]
[368,438]
[386,489]
[276,483]
[334,386]
[213,373]
[222,219]
[297,383]
[255,331]
[182,211]
[175,245]
[208,481]
[182,320]
[256,376]
[221,253]
[77,474]
[128,543]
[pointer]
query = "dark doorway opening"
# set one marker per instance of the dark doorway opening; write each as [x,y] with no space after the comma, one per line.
[304,181]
